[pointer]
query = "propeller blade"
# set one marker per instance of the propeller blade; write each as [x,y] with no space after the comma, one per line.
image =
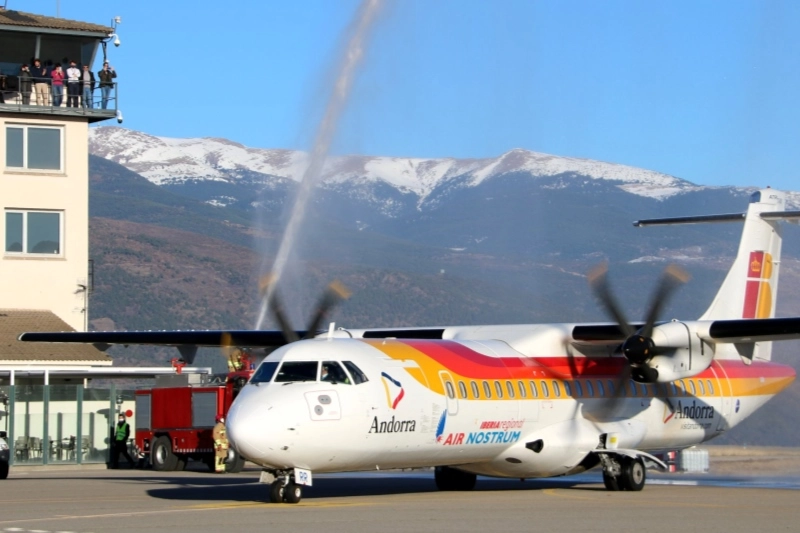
[334,293]
[673,277]
[598,281]
[277,309]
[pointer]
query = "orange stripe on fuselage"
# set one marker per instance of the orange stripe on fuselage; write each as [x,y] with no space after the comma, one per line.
[465,364]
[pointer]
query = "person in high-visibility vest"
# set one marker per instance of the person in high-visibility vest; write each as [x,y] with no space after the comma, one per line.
[122,432]
[220,436]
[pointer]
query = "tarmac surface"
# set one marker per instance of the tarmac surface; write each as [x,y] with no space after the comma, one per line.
[93,500]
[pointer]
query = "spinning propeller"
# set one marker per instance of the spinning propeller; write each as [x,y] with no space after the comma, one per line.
[638,346]
[334,293]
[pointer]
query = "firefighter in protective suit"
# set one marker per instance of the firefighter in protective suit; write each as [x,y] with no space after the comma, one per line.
[220,436]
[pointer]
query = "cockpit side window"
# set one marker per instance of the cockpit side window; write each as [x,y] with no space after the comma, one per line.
[297,371]
[332,372]
[358,376]
[265,372]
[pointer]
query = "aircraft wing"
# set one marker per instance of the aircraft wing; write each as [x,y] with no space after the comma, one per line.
[193,338]
[752,330]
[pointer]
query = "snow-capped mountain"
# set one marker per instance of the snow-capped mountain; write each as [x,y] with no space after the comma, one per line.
[168,161]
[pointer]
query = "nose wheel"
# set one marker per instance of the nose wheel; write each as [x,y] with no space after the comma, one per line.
[285,490]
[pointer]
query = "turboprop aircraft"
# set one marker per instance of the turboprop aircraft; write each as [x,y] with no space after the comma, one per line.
[518,401]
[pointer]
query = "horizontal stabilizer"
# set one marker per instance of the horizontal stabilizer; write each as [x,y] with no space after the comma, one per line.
[753,330]
[728,217]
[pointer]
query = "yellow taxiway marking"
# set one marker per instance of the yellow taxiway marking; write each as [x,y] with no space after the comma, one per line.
[201,507]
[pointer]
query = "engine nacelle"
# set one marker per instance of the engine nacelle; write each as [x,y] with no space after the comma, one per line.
[680,353]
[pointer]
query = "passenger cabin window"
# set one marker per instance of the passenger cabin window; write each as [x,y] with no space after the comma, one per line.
[692,387]
[702,387]
[567,388]
[476,392]
[462,390]
[358,376]
[451,393]
[578,389]
[612,390]
[589,389]
[673,389]
[710,387]
[682,388]
[556,389]
[510,387]
[499,388]
[600,391]
[487,390]
[632,387]
[522,392]
[534,390]
[265,372]
[332,372]
[545,392]
[291,371]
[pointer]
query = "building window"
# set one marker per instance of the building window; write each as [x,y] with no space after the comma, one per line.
[33,232]
[34,148]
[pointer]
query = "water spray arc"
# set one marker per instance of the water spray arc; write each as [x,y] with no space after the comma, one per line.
[353,54]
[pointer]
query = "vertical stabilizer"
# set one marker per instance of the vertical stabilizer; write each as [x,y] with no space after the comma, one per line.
[750,287]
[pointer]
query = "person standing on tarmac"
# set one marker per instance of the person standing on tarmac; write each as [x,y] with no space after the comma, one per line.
[121,434]
[220,436]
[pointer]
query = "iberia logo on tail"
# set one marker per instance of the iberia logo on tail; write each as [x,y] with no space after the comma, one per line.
[758,292]
[394,390]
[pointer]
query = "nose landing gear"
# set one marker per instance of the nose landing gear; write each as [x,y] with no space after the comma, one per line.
[283,488]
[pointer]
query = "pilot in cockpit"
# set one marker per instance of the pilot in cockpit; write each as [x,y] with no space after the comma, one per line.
[333,373]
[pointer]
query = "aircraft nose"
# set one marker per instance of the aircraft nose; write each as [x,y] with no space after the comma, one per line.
[245,427]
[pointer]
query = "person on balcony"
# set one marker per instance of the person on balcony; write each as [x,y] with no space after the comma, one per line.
[41,83]
[73,85]
[87,81]
[58,85]
[106,76]
[25,84]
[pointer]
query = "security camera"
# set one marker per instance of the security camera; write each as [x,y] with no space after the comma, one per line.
[118,20]
[119,116]
[117,42]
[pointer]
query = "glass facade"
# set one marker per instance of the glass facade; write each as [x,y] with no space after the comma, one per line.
[61,424]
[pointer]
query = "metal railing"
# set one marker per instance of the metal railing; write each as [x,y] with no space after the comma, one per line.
[47,98]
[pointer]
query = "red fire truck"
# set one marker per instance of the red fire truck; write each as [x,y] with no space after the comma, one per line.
[174,419]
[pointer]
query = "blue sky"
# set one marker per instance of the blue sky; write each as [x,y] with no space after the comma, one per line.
[703,90]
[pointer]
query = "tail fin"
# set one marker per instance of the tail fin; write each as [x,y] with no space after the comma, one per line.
[750,287]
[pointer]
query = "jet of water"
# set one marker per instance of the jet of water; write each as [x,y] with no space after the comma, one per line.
[353,54]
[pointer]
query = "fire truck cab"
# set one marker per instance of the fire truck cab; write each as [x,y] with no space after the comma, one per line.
[175,418]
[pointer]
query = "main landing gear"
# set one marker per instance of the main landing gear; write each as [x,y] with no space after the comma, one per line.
[623,473]
[448,478]
[284,489]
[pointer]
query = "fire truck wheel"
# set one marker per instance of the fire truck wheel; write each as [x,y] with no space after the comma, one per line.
[161,455]
[234,463]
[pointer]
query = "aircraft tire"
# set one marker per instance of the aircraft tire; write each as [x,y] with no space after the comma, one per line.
[453,480]
[611,482]
[276,491]
[161,455]
[633,475]
[292,493]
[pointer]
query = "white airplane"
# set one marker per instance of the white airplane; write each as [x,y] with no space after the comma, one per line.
[516,401]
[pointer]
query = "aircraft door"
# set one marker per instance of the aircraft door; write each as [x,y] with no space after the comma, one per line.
[449,392]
